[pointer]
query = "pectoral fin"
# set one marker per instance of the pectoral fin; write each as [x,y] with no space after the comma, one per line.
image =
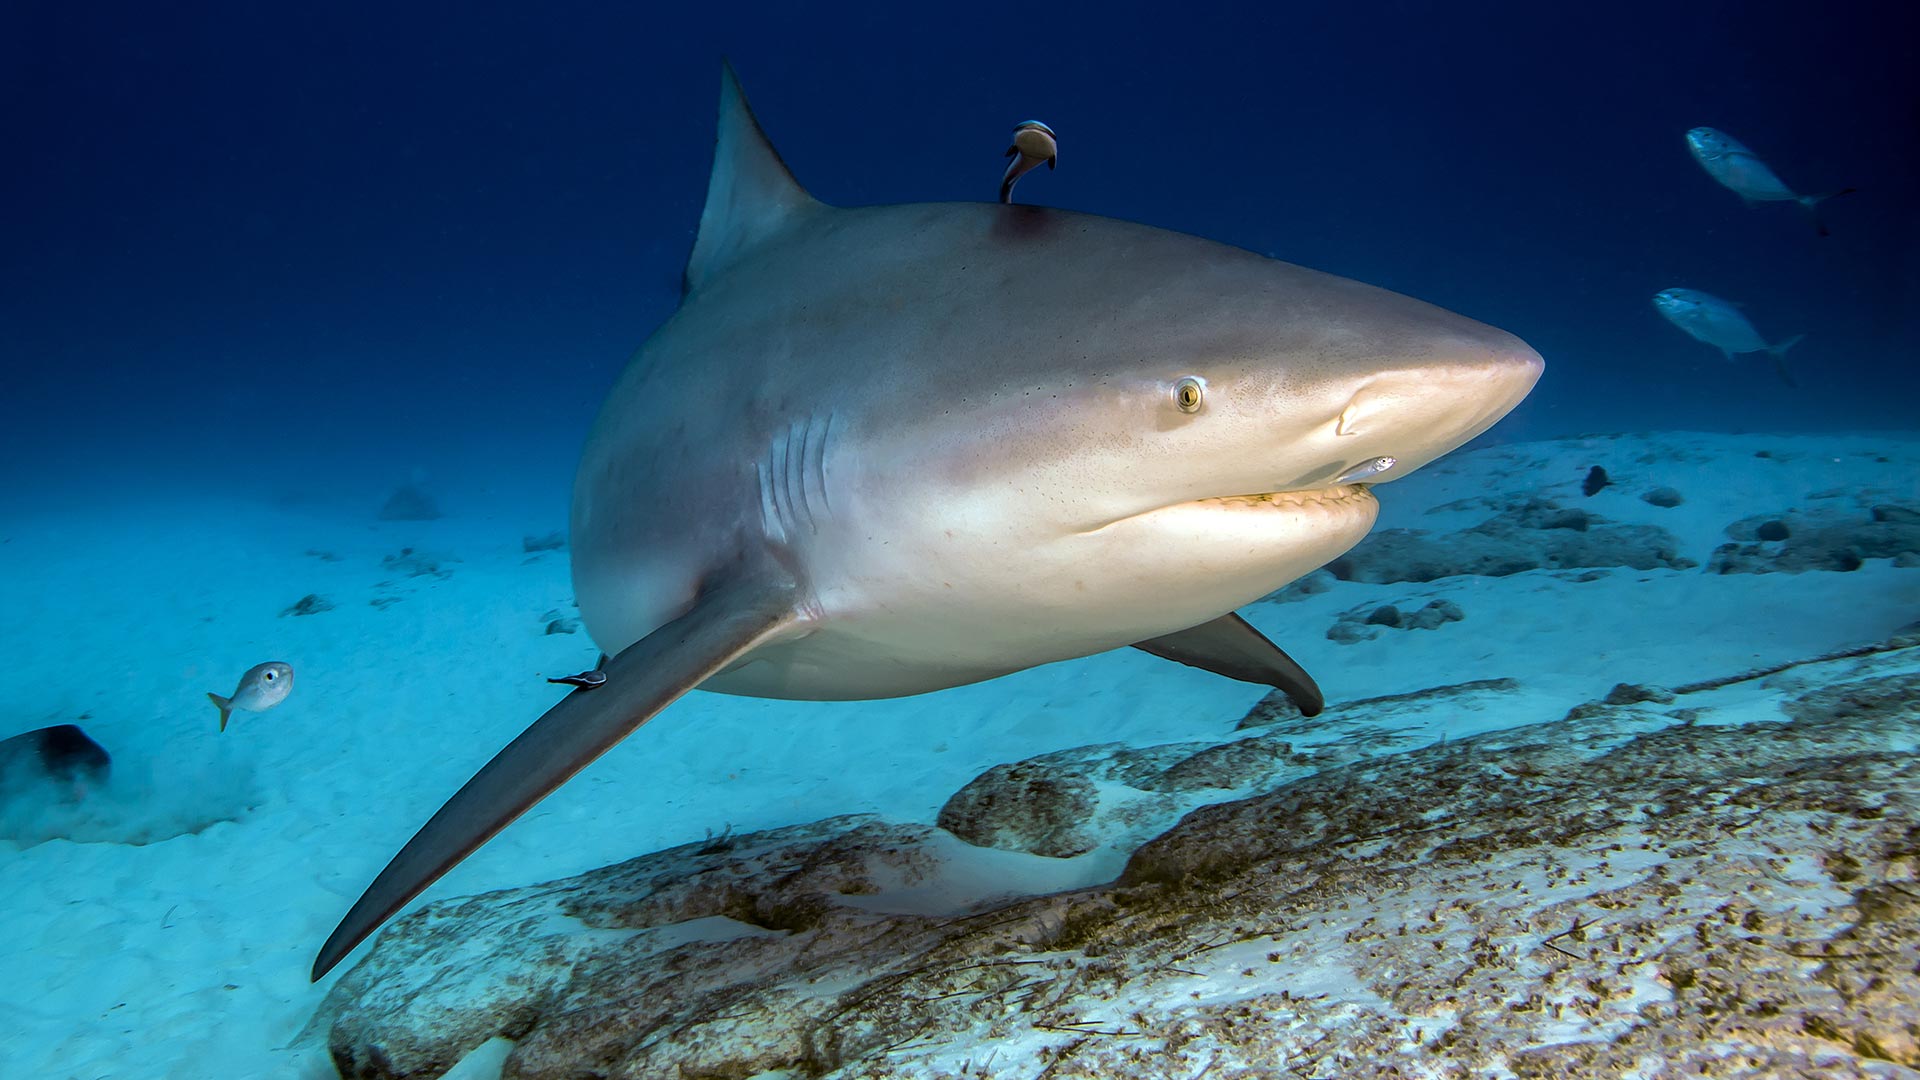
[724,623]
[1230,646]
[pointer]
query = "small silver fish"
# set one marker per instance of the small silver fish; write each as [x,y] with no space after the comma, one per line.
[261,688]
[591,679]
[1741,171]
[1367,470]
[586,680]
[1719,323]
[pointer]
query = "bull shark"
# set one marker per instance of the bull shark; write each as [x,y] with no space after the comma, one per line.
[888,450]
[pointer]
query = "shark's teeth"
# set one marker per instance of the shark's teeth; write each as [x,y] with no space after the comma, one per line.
[1291,499]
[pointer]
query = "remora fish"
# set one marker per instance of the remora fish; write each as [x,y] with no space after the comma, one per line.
[1741,171]
[887,450]
[1719,323]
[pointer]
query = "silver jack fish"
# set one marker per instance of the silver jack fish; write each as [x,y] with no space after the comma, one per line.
[261,688]
[1719,323]
[1741,171]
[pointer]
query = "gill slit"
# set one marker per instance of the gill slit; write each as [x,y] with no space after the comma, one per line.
[792,477]
[796,476]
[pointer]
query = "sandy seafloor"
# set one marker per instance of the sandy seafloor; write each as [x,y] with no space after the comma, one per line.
[186,954]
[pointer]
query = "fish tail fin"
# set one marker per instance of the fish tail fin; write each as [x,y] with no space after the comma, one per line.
[1811,204]
[225,705]
[1778,350]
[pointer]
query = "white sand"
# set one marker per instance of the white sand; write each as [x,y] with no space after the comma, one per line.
[188,956]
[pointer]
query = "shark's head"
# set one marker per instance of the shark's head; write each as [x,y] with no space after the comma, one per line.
[1254,378]
[1191,372]
[1194,423]
[1005,409]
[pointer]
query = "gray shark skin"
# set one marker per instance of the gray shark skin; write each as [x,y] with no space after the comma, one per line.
[888,450]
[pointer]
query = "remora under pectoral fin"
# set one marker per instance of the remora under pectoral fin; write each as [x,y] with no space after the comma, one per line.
[1230,646]
[750,194]
[723,624]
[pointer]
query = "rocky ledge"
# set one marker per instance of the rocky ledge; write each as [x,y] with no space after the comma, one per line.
[1660,884]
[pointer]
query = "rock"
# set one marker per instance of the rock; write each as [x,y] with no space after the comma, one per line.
[1069,802]
[415,563]
[1737,559]
[1276,707]
[553,966]
[1023,808]
[1312,585]
[310,604]
[409,503]
[1830,538]
[1577,520]
[1664,497]
[1747,529]
[551,542]
[1228,767]
[1348,632]
[1355,625]
[1436,614]
[1635,694]
[1616,894]
[1537,534]
[563,626]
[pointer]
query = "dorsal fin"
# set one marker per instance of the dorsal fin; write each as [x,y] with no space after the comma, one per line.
[750,195]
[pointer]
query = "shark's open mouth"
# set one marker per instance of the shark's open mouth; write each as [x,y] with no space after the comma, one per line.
[1292,500]
[1338,499]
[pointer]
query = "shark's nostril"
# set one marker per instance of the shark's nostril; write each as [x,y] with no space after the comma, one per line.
[1347,417]
[1370,407]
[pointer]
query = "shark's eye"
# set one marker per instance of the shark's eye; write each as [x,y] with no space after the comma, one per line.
[1188,393]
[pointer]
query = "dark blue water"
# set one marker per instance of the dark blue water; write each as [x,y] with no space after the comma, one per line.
[317,249]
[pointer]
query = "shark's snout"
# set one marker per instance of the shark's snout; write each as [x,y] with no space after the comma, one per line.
[1418,412]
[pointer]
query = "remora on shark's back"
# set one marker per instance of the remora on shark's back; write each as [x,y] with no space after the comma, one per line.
[887,450]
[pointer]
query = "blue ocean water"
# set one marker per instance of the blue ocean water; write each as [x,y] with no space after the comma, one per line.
[332,247]
[260,256]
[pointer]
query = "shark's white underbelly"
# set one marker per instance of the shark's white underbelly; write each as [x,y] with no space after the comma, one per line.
[917,624]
